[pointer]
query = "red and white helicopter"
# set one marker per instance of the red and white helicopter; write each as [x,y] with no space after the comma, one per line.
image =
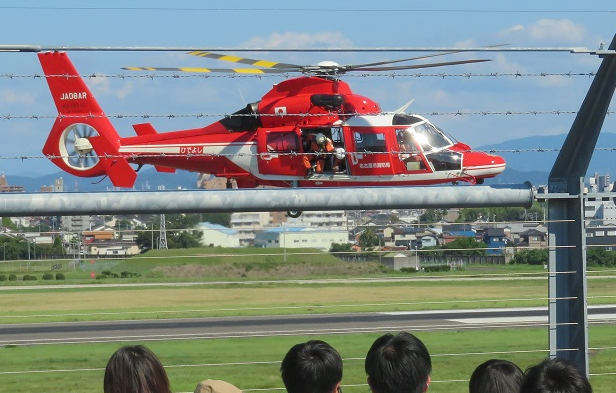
[269,142]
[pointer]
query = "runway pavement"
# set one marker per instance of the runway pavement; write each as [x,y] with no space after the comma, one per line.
[317,324]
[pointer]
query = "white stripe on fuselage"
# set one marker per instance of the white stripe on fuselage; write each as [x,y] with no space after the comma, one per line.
[242,154]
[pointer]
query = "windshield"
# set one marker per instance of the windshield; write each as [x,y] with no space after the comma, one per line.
[430,138]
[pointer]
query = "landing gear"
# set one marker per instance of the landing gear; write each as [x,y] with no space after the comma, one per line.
[294,213]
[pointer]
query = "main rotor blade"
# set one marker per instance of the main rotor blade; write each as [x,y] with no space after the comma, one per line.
[417,66]
[354,66]
[217,70]
[244,60]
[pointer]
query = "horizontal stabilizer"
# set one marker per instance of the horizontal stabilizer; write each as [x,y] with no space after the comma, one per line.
[144,129]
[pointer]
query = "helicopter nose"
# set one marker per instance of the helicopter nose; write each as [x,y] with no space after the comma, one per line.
[484,162]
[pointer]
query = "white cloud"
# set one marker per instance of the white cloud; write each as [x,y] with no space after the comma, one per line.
[300,40]
[101,85]
[549,31]
[13,97]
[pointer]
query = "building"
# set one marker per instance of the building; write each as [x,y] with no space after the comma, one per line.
[602,237]
[75,223]
[400,260]
[112,247]
[533,238]
[247,224]
[495,239]
[215,235]
[299,237]
[5,187]
[58,186]
[335,219]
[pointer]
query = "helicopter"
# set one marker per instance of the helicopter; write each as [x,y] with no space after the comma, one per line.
[269,142]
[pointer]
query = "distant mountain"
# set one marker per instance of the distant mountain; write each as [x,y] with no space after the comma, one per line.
[536,155]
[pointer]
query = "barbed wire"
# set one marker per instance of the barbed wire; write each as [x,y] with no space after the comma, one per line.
[140,156]
[441,75]
[301,115]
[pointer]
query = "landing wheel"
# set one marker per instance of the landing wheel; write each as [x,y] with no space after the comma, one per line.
[294,213]
[480,181]
[75,147]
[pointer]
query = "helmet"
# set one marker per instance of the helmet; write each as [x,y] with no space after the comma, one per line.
[339,153]
[319,139]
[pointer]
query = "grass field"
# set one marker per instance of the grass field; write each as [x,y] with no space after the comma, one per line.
[253,363]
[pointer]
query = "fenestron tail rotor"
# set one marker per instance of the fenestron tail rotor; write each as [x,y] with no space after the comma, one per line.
[75,147]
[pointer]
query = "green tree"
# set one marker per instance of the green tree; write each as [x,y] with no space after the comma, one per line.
[7,223]
[464,246]
[432,215]
[538,256]
[502,213]
[14,247]
[600,257]
[338,247]
[178,228]
[368,239]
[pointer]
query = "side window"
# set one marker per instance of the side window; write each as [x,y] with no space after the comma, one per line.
[369,142]
[336,134]
[282,142]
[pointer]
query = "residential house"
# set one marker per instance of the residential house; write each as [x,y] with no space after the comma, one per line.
[112,247]
[495,239]
[533,238]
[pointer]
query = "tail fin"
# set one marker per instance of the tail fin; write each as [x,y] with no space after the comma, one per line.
[82,142]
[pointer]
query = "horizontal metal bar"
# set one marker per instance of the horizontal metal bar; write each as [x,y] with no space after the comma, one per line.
[39,48]
[282,199]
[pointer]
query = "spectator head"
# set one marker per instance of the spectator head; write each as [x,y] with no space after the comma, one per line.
[312,367]
[135,369]
[216,386]
[496,376]
[555,376]
[398,364]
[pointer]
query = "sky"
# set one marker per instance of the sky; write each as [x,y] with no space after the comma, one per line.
[467,101]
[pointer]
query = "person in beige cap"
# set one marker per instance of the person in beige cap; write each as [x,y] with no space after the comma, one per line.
[216,386]
[312,367]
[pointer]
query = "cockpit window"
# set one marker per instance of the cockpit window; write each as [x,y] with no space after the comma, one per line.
[430,138]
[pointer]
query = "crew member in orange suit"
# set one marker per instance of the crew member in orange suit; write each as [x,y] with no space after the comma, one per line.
[319,157]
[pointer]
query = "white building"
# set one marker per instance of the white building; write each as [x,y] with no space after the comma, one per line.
[75,223]
[335,219]
[297,237]
[247,223]
[217,235]
[599,211]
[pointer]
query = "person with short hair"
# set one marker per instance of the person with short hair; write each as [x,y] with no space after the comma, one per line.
[398,364]
[135,369]
[496,376]
[312,367]
[555,376]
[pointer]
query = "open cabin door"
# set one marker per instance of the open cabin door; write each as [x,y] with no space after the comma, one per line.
[279,152]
